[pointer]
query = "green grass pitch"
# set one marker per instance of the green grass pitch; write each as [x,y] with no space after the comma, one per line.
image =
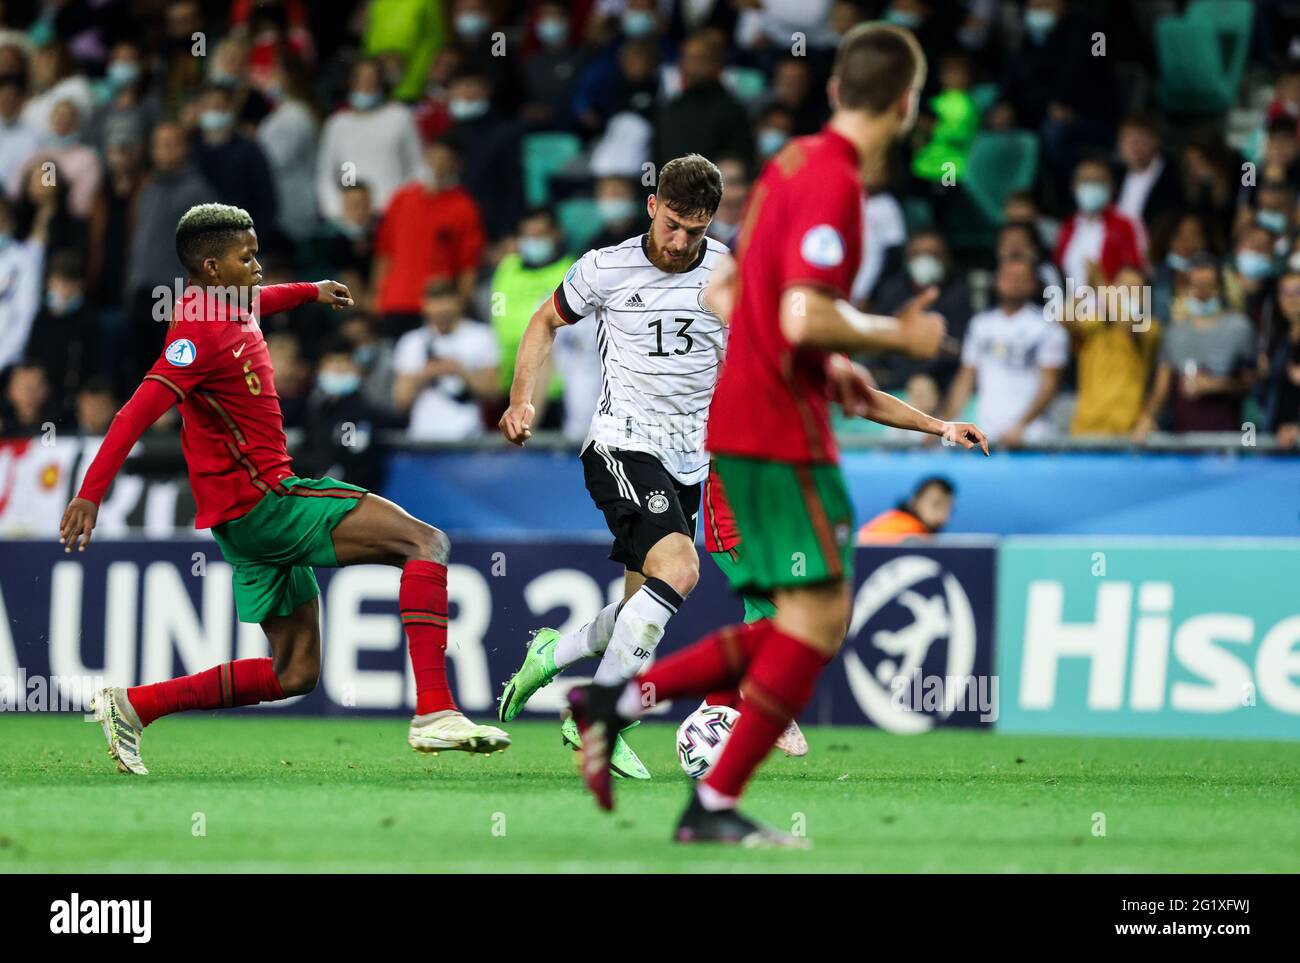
[330,795]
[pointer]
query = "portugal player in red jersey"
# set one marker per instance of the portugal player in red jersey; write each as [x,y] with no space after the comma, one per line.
[271,526]
[769,431]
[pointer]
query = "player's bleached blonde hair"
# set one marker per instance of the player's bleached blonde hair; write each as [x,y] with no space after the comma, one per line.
[208,230]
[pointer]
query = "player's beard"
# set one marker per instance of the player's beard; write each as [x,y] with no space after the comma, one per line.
[670,265]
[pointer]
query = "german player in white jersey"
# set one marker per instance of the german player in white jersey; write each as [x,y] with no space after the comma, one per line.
[643,459]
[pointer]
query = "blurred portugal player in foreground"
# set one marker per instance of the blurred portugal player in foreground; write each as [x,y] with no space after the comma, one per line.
[271,526]
[769,432]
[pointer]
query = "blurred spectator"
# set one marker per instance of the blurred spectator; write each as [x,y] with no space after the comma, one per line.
[705,118]
[928,264]
[107,231]
[1210,177]
[775,128]
[432,230]
[735,191]
[1014,355]
[77,164]
[628,84]
[949,127]
[292,376]
[348,242]
[1280,159]
[925,512]
[373,355]
[54,77]
[287,137]
[524,280]
[65,339]
[1115,349]
[1286,95]
[276,30]
[1205,364]
[407,33]
[22,264]
[482,47]
[1250,278]
[18,139]
[182,69]
[1188,240]
[621,210]
[490,148]
[169,191]
[576,356]
[1150,190]
[1097,240]
[884,232]
[369,140]
[1018,239]
[96,407]
[1282,364]
[233,164]
[443,368]
[130,109]
[1272,208]
[46,187]
[1058,87]
[552,69]
[793,89]
[341,425]
[27,409]
[1022,207]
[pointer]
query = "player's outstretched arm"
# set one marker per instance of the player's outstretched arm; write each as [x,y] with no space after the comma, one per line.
[534,348]
[146,406]
[811,316]
[274,298]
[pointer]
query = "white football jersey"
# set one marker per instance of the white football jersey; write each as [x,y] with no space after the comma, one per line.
[660,351]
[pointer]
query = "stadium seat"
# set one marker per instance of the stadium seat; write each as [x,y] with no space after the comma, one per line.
[1000,163]
[985,96]
[1192,76]
[579,221]
[746,83]
[1231,21]
[544,154]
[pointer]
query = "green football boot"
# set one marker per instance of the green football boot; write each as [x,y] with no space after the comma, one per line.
[623,761]
[538,671]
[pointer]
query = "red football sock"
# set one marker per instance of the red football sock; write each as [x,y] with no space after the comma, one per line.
[715,661]
[724,697]
[422,601]
[779,683]
[244,682]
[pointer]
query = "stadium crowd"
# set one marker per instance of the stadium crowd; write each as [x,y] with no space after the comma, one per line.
[447,159]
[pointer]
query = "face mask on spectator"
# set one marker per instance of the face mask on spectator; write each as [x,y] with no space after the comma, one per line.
[63,141]
[214,119]
[364,355]
[123,73]
[638,23]
[552,31]
[361,100]
[1178,262]
[1091,196]
[1293,262]
[925,269]
[61,304]
[536,250]
[1274,221]
[615,210]
[771,140]
[1202,307]
[903,18]
[338,383]
[1038,24]
[466,109]
[348,229]
[1254,265]
[471,25]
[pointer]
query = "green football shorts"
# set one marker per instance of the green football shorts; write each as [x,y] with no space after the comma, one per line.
[795,524]
[757,605]
[274,547]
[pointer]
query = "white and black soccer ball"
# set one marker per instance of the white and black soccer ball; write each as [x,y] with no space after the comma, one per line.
[701,736]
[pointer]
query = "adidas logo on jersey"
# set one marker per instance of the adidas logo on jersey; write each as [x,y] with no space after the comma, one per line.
[634,301]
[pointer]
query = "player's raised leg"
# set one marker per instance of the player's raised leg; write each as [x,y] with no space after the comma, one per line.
[379,532]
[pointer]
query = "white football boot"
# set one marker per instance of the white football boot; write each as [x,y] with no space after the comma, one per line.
[792,741]
[450,730]
[122,728]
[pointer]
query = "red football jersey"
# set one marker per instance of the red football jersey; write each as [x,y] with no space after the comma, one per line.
[216,365]
[802,226]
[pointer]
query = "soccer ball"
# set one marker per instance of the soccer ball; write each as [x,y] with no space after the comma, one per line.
[701,736]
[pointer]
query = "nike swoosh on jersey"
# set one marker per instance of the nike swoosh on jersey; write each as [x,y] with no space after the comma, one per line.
[240,351]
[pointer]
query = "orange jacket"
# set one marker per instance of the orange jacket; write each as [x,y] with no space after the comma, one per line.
[891,526]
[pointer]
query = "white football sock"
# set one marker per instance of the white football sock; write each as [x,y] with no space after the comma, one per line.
[637,630]
[588,641]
